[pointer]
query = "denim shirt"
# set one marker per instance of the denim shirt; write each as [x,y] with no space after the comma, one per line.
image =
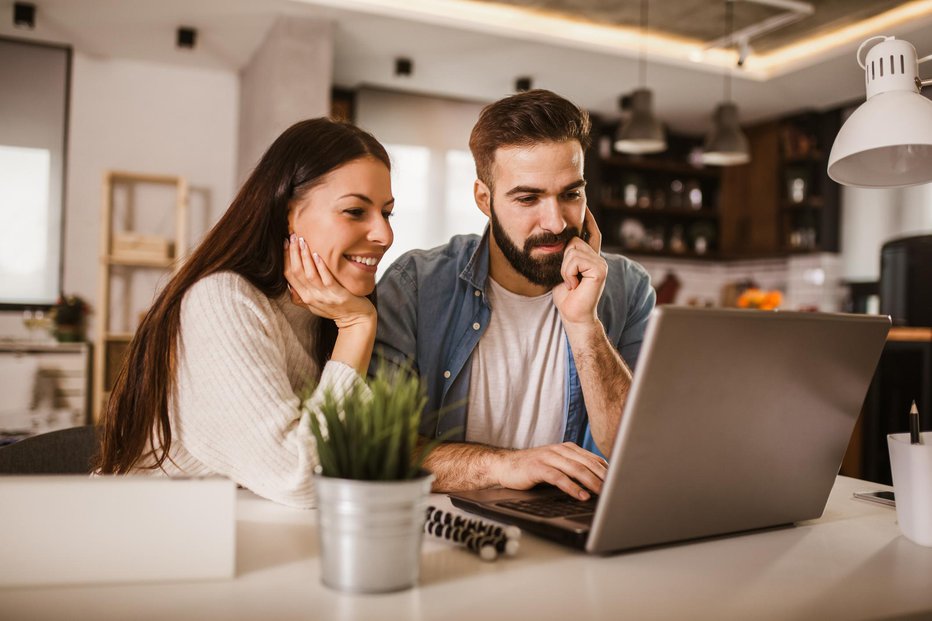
[433,310]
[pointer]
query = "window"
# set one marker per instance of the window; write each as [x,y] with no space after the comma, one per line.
[461,215]
[33,126]
[410,222]
[432,169]
[433,198]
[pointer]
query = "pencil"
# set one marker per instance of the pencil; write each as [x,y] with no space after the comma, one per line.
[914,437]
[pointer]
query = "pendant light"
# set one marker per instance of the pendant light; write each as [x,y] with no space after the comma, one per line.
[726,144]
[887,141]
[641,132]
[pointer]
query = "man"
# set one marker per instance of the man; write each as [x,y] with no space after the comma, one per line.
[525,336]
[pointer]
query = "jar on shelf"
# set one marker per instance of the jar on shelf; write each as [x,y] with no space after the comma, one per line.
[677,190]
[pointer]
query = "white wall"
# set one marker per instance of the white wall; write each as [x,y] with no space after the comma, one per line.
[872,217]
[287,80]
[808,281]
[142,117]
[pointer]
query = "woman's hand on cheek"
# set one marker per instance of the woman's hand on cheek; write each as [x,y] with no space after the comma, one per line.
[313,286]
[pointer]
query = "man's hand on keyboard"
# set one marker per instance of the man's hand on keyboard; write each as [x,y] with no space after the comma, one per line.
[567,466]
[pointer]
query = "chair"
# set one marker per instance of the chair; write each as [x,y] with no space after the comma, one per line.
[67,451]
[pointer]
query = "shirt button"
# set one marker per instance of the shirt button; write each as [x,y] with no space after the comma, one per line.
[476,326]
[446,374]
[477,293]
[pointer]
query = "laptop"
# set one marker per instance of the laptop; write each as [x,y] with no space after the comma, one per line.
[736,420]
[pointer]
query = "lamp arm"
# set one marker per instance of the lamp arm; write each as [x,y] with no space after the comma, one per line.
[921,83]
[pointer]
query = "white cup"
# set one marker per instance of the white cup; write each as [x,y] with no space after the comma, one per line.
[911,465]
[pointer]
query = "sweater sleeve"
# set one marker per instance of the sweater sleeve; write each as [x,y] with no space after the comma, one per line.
[237,412]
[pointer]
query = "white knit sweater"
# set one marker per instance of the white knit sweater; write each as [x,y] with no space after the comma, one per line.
[243,358]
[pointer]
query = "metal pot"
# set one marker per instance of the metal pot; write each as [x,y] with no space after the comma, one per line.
[371,532]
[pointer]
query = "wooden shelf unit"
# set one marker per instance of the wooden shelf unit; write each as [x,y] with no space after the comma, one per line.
[110,346]
[672,202]
[809,199]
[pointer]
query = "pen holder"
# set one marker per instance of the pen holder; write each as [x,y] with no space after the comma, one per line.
[911,465]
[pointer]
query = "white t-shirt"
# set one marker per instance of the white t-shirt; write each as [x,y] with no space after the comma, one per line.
[517,386]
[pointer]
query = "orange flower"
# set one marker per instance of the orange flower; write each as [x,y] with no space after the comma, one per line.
[763,300]
[772,300]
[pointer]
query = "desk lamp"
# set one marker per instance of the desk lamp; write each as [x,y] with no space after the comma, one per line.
[887,141]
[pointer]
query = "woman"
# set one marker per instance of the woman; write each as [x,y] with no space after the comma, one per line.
[273,298]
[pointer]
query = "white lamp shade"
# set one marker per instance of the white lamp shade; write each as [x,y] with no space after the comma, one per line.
[642,132]
[726,144]
[886,142]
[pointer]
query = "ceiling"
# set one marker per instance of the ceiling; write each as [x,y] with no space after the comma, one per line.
[704,20]
[475,49]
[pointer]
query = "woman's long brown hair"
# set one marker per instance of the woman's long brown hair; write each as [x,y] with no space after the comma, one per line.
[249,240]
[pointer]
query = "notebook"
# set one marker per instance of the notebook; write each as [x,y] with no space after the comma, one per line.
[736,420]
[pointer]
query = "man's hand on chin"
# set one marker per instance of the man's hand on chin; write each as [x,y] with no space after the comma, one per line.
[565,466]
[584,272]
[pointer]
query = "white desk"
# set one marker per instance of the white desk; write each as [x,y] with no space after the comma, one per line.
[850,564]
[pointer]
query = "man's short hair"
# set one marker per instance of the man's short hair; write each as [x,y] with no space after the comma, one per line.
[524,119]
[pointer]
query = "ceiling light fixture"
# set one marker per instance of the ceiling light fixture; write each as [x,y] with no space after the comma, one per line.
[641,132]
[887,141]
[726,144]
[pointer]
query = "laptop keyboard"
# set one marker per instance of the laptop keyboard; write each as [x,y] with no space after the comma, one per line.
[552,506]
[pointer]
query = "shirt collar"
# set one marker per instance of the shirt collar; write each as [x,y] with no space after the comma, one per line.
[476,271]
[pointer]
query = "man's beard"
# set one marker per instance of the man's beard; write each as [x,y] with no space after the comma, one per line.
[544,271]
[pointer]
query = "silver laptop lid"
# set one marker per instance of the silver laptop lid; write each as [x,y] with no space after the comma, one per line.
[736,420]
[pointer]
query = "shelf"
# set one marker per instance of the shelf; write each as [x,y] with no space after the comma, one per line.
[814,202]
[660,254]
[119,260]
[816,157]
[26,346]
[119,336]
[155,263]
[664,166]
[802,251]
[615,206]
[130,177]
[803,157]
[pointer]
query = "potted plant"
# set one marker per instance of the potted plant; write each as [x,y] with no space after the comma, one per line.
[371,489]
[70,318]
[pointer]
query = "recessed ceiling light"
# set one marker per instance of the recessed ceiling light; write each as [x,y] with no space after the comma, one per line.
[404,66]
[24,15]
[186,37]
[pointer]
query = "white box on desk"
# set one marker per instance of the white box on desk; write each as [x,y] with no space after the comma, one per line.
[79,529]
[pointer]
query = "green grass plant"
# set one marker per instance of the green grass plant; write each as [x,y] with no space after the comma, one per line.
[371,433]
